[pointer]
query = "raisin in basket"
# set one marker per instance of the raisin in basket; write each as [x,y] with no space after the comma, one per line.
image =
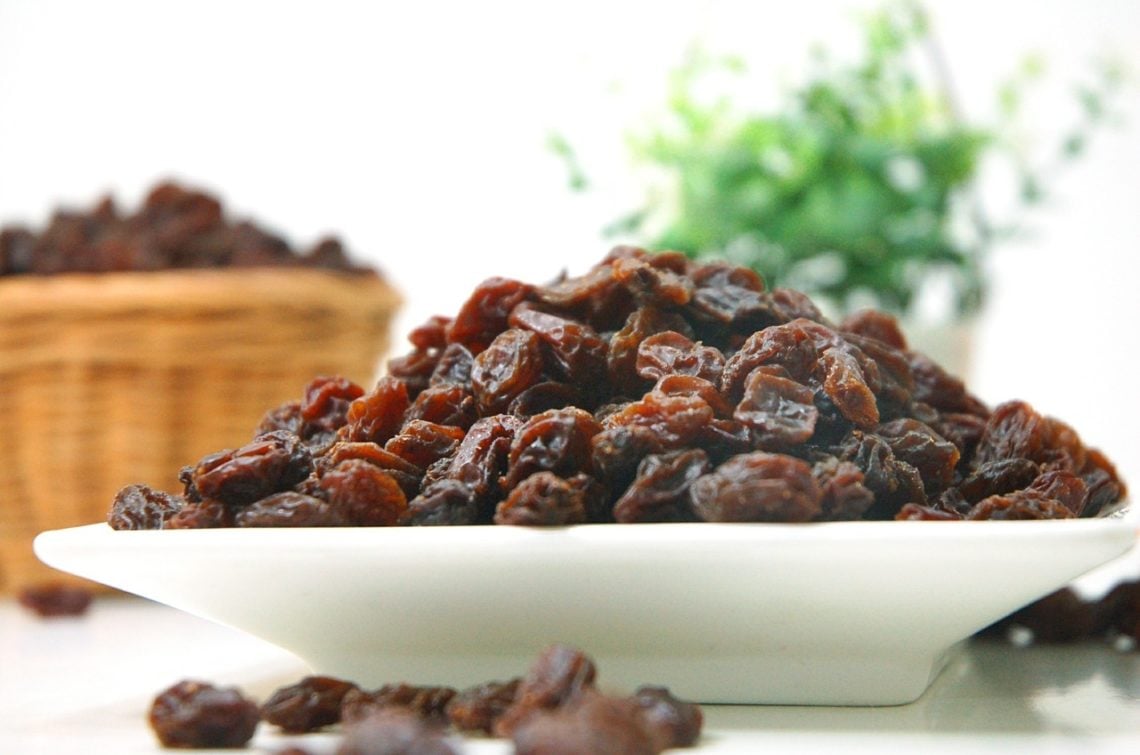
[109,379]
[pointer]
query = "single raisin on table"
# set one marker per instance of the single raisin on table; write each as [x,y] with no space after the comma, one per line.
[53,599]
[310,704]
[195,714]
[393,731]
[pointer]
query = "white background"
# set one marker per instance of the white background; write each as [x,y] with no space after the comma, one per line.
[417,132]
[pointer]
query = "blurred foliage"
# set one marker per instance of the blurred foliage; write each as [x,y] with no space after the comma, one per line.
[859,188]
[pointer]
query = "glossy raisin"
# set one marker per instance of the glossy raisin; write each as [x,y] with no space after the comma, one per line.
[194,714]
[423,443]
[141,507]
[484,315]
[377,415]
[544,499]
[660,491]
[363,494]
[671,353]
[290,509]
[310,704]
[427,702]
[271,463]
[478,708]
[556,441]
[671,722]
[757,487]
[510,364]
[781,412]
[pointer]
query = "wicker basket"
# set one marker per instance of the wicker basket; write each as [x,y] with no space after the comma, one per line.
[117,378]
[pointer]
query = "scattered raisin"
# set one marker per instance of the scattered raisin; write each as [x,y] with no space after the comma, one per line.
[54,599]
[310,704]
[478,708]
[196,714]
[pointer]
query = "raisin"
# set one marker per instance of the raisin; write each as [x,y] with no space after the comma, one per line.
[844,496]
[405,473]
[510,364]
[946,393]
[429,703]
[913,512]
[271,463]
[207,513]
[54,599]
[1062,486]
[484,315]
[997,477]
[422,443]
[556,441]
[616,452]
[788,346]
[878,325]
[671,722]
[670,353]
[559,674]
[1019,506]
[415,369]
[660,492]
[478,708]
[454,366]
[197,714]
[934,457]
[545,396]
[285,417]
[444,502]
[653,284]
[781,412]
[689,385]
[621,361]
[677,421]
[310,704]
[757,487]
[893,481]
[1104,484]
[324,407]
[481,458]
[572,350]
[140,507]
[594,723]
[432,334]
[545,499]
[393,731]
[444,404]
[377,415]
[363,494]
[290,509]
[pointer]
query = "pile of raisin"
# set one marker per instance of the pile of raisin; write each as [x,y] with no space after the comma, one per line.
[556,707]
[175,227]
[650,389]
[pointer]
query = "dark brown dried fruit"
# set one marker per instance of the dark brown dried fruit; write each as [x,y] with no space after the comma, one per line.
[660,492]
[844,496]
[781,412]
[878,325]
[140,507]
[197,714]
[758,487]
[478,708]
[509,365]
[363,494]
[324,407]
[572,351]
[53,599]
[269,464]
[559,674]
[423,443]
[377,415]
[310,704]
[677,421]
[918,445]
[289,509]
[671,353]
[556,441]
[671,722]
[545,500]
[444,404]
[594,723]
[393,731]
[484,315]
[429,703]
[1019,506]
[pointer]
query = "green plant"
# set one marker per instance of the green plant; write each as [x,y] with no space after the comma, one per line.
[858,188]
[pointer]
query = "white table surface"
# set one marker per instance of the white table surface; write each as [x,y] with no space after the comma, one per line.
[83,685]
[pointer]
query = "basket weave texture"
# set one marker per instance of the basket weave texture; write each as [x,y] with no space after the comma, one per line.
[112,379]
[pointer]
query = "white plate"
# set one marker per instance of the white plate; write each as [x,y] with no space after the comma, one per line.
[851,613]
